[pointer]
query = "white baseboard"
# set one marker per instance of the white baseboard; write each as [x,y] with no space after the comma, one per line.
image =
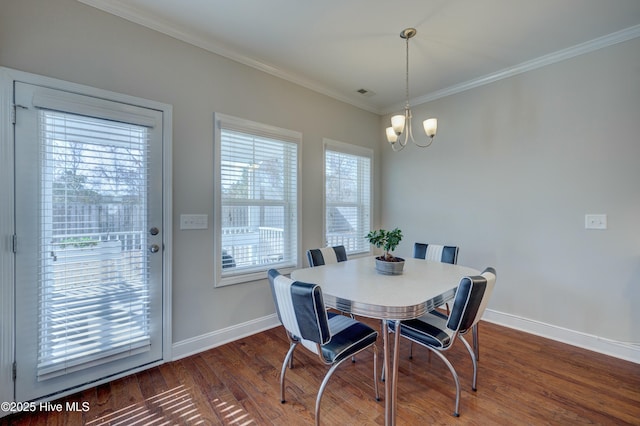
[197,344]
[622,350]
[613,348]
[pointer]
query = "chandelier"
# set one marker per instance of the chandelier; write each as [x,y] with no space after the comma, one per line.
[401,123]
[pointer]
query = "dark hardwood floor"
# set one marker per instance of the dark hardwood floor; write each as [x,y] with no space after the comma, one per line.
[522,380]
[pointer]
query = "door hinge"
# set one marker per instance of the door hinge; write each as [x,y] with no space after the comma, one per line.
[13,112]
[14,243]
[14,373]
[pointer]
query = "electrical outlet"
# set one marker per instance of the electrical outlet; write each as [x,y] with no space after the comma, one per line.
[595,221]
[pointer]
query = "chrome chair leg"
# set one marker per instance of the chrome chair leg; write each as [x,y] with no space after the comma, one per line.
[287,360]
[474,361]
[353,358]
[330,373]
[291,342]
[375,371]
[456,413]
[382,333]
[411,351]
[321,390]
[476,343]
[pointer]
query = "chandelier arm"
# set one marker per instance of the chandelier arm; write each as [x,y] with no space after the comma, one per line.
[424,146]
[403,141]
[393,147]
[411,129]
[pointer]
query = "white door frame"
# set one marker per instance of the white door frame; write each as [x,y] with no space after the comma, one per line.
[7,219]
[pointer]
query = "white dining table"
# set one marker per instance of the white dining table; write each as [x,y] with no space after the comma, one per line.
[356,287]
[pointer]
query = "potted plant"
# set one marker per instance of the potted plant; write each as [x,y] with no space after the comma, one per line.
[387,240]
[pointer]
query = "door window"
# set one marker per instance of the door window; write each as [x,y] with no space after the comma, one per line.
[88,179]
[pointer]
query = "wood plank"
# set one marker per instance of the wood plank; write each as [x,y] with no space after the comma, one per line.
[522,379]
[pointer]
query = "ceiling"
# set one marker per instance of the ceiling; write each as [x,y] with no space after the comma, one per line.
[337,47]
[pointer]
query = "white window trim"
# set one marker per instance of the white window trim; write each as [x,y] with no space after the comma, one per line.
[333,145]
[261,129]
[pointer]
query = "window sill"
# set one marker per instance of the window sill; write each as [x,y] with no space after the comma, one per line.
[248,277]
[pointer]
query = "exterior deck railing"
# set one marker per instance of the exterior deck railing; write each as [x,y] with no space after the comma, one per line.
[254,246]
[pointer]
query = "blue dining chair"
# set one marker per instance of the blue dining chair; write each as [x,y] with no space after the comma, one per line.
[326,255]
[438,253]
[445,254]
[437,332]
[300,308]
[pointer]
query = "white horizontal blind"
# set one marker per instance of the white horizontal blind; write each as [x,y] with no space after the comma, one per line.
[347,197]
[94,300]
[258,198]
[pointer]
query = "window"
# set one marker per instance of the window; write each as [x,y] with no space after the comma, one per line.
[256,203]
[347,172]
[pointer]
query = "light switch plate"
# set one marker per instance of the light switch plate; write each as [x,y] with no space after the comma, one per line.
[595,221]
[194,221]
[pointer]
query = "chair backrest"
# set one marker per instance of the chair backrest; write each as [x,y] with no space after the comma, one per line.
[326,255]
[444,254]
[471,300]
[300,308]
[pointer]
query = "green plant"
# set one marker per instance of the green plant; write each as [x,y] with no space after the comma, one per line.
[387,240]
[78,242]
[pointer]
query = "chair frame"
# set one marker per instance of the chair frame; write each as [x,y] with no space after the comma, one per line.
[289,358]
[325,337]
[460,314]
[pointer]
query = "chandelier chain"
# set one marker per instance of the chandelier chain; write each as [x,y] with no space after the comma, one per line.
[407,72]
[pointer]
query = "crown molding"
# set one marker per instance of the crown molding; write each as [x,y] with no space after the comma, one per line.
[126,11]
[542,61]
[135,15]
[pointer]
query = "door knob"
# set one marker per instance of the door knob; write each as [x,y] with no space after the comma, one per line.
[154,231]
[154,248]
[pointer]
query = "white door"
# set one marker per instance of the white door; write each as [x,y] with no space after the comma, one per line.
[88,196]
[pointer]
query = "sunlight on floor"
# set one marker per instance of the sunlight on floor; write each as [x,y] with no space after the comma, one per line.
[233,413]
[175,406]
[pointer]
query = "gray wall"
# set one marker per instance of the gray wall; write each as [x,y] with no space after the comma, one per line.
[68,40]
[515,167]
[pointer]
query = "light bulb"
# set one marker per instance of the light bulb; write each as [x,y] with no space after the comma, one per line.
[397,123]
[392,137]
[430,127]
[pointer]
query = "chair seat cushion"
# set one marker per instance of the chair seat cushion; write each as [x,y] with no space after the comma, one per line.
[430,330]
[348,336]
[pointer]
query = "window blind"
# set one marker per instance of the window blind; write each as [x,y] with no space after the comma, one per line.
[347,197]
[93,293]
[258,187]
